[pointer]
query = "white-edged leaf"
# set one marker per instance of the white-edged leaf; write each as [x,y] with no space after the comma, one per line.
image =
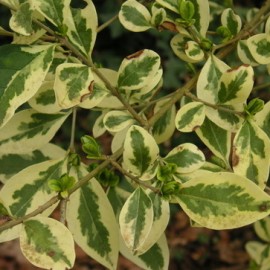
[92,222]
[47,243]
[218,140]
[193,51]
[187,157]
[161,218]
[158,16]
[98,128]
[224,201]
[208,81]
[255,250]
[136,219]
[164,127]
[29,130]
[119,139]
[72,83]
[201,15]
[156,258]
[262,118]
[20,80]
[21,20]
[10,234]
[7,160]
[115,121]
[251,153]
[259,48]
[244,53]
[169,4]
[134,16]
[140,150]
[235,85]
[231,20]
[190,117]
[44,100]
[86,23]
[28,189]
[262,229]
[145,62]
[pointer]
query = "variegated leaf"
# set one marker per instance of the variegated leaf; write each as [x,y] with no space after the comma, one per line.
[86,23]
[21,20]
[193,51]
[224,119]
[119,139]
[10,234]
[115,121]
[231,20]
[44,100]
[251,153]
[98,128]
[262,118]
[138,69]
[262,229]
[20,80]
[208,81]
[201,15]
[136,219]
[244,53]
[28,189]
[29,130]
[134,16]
[47,152]
[164,127]
[140,150]
[224,201]
[216,139]
[92,222]
[187,157]
[169,4]
[161,218]
[47,243]
[156,258]
[259,48]
[235,85]
[158,16]
[72,83]
[255,250]
[190,117]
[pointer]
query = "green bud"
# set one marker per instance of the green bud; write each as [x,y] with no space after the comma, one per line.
[166,172]
[224,32]
[108,178]
[254,106]
[206,44]
[90,147]
[169,189]
[74,160]
[186,10]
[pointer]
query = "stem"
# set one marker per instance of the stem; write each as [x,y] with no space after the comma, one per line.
[73,130]
[214,106]
[106,24]
[261,86]
[63,207]
[132,177]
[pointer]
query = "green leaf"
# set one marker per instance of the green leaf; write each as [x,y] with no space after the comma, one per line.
[72,83]
[235,85]
[164,127]
[115,121]
[29,130]
[190,117]
[44,101]
[259,46]
[20,80]
[28,189]
[136,219]
[140,150]
[186,10]
[21,20]
[90,146]
[216,139]
[230,20]
[156,258]
[224,201]
[145,62]
[187,157]
[92,222]
[47,243]
[7,160]
[251,153]
[262,229]
[134,16]
[208,81]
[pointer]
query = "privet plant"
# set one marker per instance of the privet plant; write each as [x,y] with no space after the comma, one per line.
[120,202]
